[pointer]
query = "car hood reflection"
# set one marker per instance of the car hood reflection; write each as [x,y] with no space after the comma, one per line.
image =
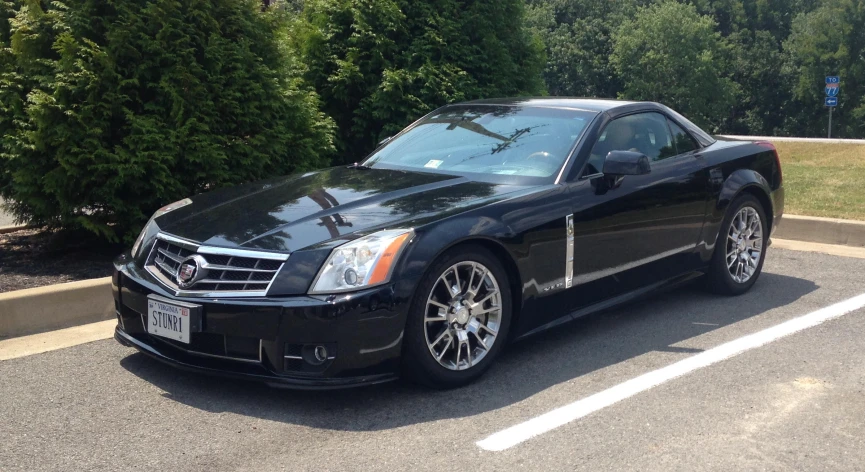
[294,212]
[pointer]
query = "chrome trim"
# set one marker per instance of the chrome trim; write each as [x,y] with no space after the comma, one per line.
[569,250]
[223,251]
[206,293]
[165,267]
[173,257]
[210,266]
[230,282]
[172,285]
[187,244]
[578,144]
[294,357]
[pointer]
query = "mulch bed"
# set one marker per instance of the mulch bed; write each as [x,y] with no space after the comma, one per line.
[35,257]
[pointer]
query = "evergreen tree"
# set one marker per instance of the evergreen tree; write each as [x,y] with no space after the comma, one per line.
[149,102]
[380,64]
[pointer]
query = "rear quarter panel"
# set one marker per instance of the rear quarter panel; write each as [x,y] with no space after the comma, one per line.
[736,167]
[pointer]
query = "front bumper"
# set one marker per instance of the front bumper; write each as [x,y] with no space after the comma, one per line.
[262,338]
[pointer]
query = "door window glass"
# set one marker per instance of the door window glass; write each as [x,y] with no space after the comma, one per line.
[683,140]
[646,133]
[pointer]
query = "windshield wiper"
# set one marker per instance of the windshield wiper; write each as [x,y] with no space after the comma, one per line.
[501,147]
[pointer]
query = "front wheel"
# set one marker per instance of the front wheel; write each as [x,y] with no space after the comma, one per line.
[459,319]
[740,249]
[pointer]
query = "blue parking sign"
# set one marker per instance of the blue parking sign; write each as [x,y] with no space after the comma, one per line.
[833,79]
[831,101]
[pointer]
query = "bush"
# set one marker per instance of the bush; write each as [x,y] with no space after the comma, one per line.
[380,64]
[144,103]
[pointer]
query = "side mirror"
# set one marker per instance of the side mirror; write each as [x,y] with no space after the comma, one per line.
[626,163]
[385,140]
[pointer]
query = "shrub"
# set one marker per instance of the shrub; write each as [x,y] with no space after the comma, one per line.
[145,103]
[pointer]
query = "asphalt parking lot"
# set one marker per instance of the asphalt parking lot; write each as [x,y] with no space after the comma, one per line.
[797,403]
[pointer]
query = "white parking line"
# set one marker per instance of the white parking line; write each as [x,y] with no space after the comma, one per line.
[560,416]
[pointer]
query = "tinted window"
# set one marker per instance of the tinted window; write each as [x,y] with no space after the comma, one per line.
[701,135]
[496,140]
[646,133]
[683,140]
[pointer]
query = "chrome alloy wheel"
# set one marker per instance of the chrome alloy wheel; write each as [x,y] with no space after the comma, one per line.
[463,315]
[744,244]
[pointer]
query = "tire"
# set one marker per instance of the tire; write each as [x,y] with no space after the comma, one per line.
[737,277]
[441,335]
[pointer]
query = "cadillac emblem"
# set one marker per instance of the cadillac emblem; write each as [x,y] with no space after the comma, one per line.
[192,269]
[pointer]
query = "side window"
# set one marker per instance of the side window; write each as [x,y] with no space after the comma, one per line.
[646,133]
[683,141]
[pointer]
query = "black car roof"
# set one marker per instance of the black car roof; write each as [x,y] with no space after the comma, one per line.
[597,105]
[589,104]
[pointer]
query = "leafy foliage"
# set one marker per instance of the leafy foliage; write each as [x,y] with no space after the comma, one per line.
[120,107]
[578,35]
[669,53]
[775,52]
[828,41]
[380,64]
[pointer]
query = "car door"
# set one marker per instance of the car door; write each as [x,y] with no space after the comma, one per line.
[637,230]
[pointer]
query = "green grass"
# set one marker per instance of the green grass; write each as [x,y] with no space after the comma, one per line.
[824,179]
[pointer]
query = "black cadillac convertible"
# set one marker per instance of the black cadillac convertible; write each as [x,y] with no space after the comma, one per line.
[481,223]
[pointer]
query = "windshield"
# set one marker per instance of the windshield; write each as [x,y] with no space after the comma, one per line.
[511,141]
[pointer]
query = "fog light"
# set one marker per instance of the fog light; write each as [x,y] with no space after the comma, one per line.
[313,358]
[314,354]
[320,353]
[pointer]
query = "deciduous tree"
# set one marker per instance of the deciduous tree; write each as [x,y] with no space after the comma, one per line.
[671,54]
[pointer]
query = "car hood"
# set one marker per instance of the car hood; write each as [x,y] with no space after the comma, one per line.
[294,212]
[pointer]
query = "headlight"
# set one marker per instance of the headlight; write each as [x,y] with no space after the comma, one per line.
[150,229]
[362,263]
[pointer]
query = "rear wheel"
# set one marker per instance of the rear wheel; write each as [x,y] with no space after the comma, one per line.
[740,249]
[459,318]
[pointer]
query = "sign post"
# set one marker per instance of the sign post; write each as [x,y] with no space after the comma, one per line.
[833,86]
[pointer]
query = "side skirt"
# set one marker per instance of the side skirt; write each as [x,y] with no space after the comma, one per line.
[615,302]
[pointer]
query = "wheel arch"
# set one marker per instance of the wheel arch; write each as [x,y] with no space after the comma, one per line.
[746,181]
[499,250]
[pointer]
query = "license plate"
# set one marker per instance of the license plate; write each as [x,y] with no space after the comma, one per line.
[168,320]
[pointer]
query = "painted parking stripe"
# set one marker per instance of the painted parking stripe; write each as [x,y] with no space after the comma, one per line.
[560,416]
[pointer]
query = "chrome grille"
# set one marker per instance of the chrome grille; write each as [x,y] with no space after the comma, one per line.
[228,272]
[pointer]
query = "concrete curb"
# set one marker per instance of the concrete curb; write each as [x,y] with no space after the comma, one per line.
[34,310]
[13,228]
[821,230]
